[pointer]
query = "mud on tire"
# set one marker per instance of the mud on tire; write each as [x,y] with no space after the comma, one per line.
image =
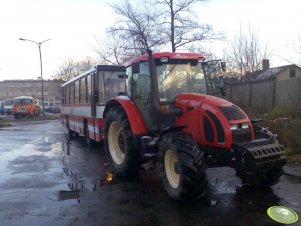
[119,144]
[182,167]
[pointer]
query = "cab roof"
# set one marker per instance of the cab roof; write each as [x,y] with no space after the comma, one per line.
[23,97]
[182,56]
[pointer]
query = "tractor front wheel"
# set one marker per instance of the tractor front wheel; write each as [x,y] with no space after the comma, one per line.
[119,143]
[182,167]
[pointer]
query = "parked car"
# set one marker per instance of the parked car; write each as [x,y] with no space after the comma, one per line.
[56,109]
[1,107]
[8,106]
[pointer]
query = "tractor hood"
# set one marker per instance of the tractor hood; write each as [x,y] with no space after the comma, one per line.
[229,121]
[213,104]
[198,100]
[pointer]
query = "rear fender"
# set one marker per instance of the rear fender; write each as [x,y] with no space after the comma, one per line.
[133,114]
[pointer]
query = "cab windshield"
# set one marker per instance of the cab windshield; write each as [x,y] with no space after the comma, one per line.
[22,101]
[174,79]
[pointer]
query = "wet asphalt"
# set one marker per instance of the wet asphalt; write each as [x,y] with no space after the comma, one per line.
[47,179]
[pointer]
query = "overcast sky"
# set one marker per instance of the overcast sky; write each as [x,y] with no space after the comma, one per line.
[73,24]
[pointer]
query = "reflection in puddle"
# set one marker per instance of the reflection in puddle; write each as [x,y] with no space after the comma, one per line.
[81,180]
[224,185]
[73,194]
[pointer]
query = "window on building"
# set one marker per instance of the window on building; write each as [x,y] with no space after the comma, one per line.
[292,71]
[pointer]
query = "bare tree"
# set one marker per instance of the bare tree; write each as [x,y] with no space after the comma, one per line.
[113,50]
[244,54]
[154,25]
[71,68]
[138,28]
[181,24]
[295,49]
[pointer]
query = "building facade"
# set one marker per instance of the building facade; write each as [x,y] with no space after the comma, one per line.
[10,89]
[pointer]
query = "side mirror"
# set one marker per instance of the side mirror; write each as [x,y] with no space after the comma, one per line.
[223,66]
[135,68]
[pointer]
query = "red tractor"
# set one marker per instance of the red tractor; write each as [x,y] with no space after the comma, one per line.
[167,115]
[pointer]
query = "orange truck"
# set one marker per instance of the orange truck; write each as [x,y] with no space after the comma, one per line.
[25,105]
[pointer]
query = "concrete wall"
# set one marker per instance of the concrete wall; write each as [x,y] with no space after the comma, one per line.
[262,96]
[288,93]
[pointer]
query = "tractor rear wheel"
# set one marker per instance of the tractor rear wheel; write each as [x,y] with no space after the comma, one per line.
[182,167]
[119,143]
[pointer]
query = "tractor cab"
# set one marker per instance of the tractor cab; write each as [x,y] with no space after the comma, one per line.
[174,73]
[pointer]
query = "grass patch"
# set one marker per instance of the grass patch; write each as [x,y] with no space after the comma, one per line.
[294,158]
[286,124]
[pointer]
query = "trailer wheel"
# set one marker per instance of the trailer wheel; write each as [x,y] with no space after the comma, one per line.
[119,144]
[182,167]
[86,137]
[71,133]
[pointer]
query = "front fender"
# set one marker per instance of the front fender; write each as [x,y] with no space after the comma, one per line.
[133,114]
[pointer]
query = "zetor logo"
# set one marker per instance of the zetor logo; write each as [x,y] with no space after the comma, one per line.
[208,108]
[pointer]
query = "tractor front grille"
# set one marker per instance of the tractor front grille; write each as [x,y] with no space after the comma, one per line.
[21,109]
[241,135]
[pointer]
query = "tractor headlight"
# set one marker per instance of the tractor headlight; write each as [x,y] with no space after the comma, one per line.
[164,59]
[245,126]
[234,126]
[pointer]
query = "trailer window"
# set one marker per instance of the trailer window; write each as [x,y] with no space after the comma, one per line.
[83,90]
[67,94]
[72,93]
[76,92]
[89,87]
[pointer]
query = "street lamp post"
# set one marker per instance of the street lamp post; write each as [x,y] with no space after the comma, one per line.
[39,45]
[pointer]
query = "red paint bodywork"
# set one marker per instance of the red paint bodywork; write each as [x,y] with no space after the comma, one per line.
[193,119]
[133,114]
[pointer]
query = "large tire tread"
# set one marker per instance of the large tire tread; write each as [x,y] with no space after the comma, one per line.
[129,167]
[192,166]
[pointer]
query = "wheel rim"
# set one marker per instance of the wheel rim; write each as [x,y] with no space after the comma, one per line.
[170,160]
[116,143]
